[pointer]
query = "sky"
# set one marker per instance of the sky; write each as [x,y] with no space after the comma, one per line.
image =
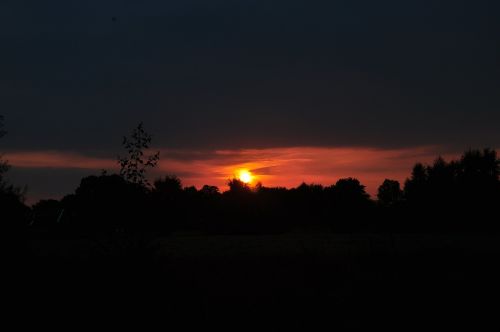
[293,90]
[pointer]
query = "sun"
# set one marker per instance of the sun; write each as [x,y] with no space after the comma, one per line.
[245,176]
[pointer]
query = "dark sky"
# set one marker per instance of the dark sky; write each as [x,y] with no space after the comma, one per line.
[77,75]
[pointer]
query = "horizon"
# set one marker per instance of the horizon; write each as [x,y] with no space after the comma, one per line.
[350,152]
[281,167]
[298,91]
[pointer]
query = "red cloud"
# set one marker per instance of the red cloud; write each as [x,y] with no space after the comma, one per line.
[286,167]
[54,159]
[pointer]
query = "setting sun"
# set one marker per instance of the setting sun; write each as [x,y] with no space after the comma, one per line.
[245,176]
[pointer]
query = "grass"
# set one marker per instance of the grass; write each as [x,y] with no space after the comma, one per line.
[348,281]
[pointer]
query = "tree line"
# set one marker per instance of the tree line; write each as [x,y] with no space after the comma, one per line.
[459,195]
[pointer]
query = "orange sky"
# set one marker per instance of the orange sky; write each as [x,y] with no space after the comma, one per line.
[286,167]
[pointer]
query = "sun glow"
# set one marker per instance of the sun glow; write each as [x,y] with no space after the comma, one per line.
[245,176]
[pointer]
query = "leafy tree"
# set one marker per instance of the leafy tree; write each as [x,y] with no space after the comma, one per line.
[238,187]
[478,178]
[239,193]
[2,131]
[210,191]
[470,184]
[350,190]
[135,164]
[168,186]
[108,202]
[169,204]
[416,185]
[167,191]
[389,193]
[309,197]
[310,188]
[47,213]
[480,166]
[191,192]
[4,166]
[12,207]
[5,187]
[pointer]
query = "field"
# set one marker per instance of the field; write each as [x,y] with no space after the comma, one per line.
[348,280]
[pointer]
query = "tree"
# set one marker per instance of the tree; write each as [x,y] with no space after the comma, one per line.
[350,192]
[12,207]
[108,202]
[480,166]
[478,178]
[135,164]
[47,213]
[167,190]
[210,191]
[238,187]
[389,193]
[169,185]
[415,189]
[5,187]
[2,131]
[4,166]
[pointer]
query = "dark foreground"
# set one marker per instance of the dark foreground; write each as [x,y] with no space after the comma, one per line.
[396,282]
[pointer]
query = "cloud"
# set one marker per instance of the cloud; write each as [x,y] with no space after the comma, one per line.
[286,167]
[250,74]
[55,159]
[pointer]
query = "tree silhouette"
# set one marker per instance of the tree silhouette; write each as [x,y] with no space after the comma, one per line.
[47,213]
[134,165]
[167,186]
[478,177]
[108,203]
[454,195]
[5,187]
[167,191]
[415,186]
[4,165]
[461,192]
[389,193]
[12,207]
[209,191]
[479,166]
[2,131]
[350,192]
[238,187]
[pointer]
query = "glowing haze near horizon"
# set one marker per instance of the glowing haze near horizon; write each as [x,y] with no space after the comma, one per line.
[273,167]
